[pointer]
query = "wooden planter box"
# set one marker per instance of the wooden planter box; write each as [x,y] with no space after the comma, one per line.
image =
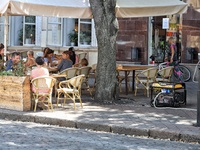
[15,93]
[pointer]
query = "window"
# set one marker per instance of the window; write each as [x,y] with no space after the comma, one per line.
[85,31]
[1,29]
[54,31]
[29,29]
[78,32]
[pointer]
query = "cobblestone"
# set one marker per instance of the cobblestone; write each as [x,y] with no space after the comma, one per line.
[26,135]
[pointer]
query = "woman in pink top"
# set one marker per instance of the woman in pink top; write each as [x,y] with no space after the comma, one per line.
[39,70]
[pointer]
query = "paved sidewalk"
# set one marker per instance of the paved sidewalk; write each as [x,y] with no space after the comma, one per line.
[130,115]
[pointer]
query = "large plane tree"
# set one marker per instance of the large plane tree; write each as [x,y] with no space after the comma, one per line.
[106,26]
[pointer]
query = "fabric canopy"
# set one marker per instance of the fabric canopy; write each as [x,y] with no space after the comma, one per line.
[195,4]
[147,8]
[81,8]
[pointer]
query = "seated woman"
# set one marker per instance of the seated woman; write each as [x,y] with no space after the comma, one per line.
[49,57]
[37,72]
[65,62]
[40,70]
[1,51]
[31,60]
[73,55]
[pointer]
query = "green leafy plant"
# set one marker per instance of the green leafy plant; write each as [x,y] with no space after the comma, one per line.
[18,70]
[20,36]
[73,37]
[85,36]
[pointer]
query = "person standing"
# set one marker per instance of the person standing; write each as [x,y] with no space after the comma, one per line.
[173,58]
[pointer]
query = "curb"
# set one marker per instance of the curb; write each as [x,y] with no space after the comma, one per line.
[185,136]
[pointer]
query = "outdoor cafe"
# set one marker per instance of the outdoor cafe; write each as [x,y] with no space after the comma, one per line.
[18,88]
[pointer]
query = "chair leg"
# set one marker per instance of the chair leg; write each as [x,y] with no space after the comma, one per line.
[74,102]
[58,98]
[36,101]
[50,103]
[135,91]
[88,87]
[78,97]
[136,87]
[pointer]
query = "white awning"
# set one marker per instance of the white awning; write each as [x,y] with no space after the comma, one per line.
[81,8]
[147,8]
[195,4]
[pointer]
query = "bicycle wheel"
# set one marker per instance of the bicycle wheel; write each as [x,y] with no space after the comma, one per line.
[186,75]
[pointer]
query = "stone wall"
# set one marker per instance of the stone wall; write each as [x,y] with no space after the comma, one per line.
[190,35]
[133,33]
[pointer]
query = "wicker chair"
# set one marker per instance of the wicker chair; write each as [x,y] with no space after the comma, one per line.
[121,78]
[81,56]
[86,71]
[71,89]
[165,74]
[93,75]
[145,78]
[69,73]
[42,90]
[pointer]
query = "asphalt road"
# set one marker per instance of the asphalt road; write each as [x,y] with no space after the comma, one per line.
[25,135]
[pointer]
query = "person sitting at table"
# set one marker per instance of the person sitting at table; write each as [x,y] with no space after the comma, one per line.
[65,62]
[49,58]
[40,70]
[84,62]
[15,59]
[45,51]
[73,55]
[31,60]
[1,51]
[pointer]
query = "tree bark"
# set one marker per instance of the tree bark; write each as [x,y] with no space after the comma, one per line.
[106,26]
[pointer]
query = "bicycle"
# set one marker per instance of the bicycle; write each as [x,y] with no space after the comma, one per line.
[186,74]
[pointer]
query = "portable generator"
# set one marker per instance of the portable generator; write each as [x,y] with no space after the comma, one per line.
[168,94]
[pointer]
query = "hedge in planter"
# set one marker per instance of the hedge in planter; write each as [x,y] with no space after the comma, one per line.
[15,90]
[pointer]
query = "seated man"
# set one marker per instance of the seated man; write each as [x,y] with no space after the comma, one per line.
[15,59]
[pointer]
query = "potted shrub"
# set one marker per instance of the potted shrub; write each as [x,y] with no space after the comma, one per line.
[73,37]
[88,40]
[82,38]
[15,89]
[20,36]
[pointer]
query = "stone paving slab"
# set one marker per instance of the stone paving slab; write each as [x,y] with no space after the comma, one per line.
[131,116]
[129,120]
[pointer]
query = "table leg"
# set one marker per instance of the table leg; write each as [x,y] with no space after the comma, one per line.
[133,80]
[126,82]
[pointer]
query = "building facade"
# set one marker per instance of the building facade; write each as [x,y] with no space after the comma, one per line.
[137,40]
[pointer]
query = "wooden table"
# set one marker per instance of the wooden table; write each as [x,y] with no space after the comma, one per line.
[52,69]
[57,75]
[126,68]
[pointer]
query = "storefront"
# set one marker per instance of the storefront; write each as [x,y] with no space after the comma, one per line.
[164,27]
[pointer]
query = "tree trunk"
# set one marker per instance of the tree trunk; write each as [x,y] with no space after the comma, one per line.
[106,26]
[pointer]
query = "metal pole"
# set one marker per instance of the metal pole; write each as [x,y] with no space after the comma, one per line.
[198,100]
